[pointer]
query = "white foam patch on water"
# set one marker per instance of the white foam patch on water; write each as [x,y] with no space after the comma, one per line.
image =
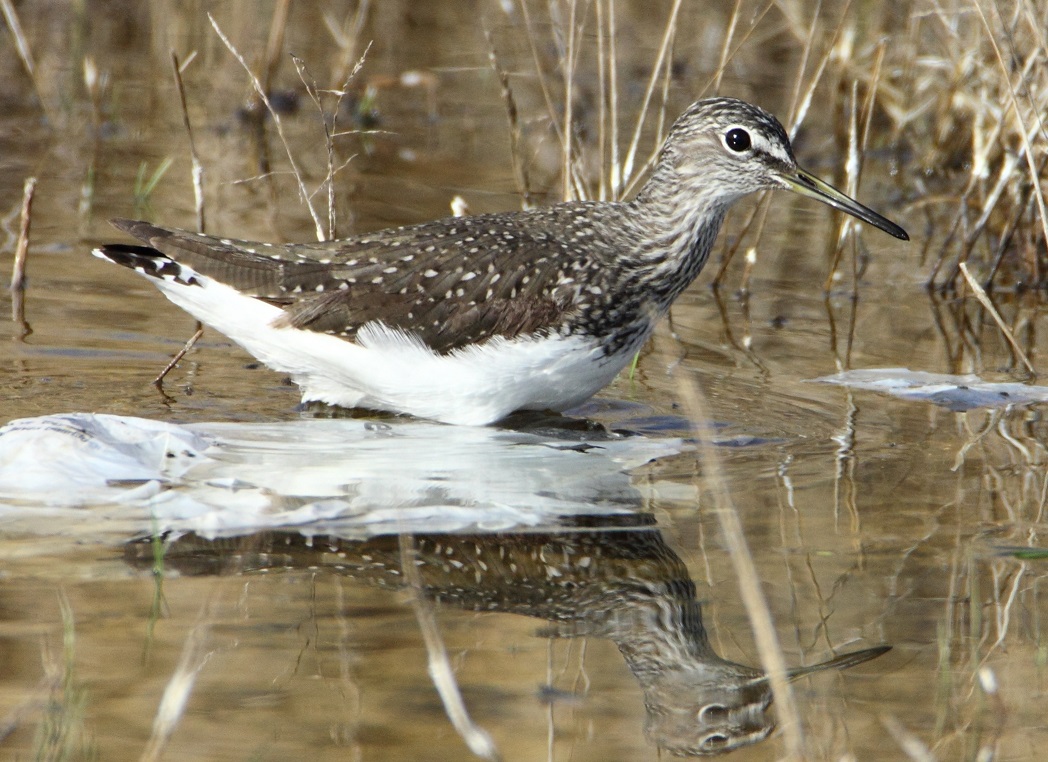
[955,392]
[346,477]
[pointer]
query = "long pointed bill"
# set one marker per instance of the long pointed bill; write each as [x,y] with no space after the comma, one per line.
[809,185]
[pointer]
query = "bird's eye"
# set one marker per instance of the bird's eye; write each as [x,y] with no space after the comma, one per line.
[737,139]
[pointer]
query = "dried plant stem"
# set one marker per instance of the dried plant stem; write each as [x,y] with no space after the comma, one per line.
[722,64]
[440,670]
[196,652]
[757,610]
[520,165]
[24,53]
[984,300]
[346,37]
[22,246]
[198,167]
[568,67]
[260,91]
[198,195]
[1023,132]
[795,97]
[543,84]
[661,59]
[18,278]
[851,183]
[275,43]
[613,105]
[910,744]
[158,382]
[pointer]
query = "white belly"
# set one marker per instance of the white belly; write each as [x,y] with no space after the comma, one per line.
[386,369]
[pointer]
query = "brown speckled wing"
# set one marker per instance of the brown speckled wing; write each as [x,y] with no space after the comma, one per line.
[448,282]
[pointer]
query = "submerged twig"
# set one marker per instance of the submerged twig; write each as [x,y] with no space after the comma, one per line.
[158,382]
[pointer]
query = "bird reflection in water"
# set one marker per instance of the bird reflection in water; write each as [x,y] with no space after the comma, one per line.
[621,582]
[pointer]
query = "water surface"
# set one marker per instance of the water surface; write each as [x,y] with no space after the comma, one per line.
[871,520]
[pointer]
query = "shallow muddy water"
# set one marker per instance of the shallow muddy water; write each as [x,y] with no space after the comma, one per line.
[608,623]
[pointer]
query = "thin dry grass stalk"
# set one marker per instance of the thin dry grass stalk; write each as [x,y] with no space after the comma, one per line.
[273,56]
[967,93]
[158,382]
[196,652]
[347,38]
[520,167]
[756,605]
[331,131]
[25,54]
[261,93]
[984,300]
[18,279]
[198,167]
[198,195]
[18,276]
[440,669]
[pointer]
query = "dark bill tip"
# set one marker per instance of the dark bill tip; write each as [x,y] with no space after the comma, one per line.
[807,184]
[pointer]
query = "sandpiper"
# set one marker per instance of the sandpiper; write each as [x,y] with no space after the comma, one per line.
[468,319]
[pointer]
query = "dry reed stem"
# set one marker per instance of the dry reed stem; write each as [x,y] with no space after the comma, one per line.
[196,652]
[910,744]
[1039,125]
[275,43]
[330,129]
[346,37]
[158,382]
[604,173]
[980,294]
[726,58]
[568,69]
[661,59]
[25,55]
[768,648]
[18,279]
[198,196]
[722,64]
[613,104]
[303,193]
[314,94]
[806,50]
[520,166]
[544,86]
[851,171]
[198,167]
[440,669]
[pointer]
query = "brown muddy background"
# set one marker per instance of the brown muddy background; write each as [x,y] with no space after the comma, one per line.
[871,520]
